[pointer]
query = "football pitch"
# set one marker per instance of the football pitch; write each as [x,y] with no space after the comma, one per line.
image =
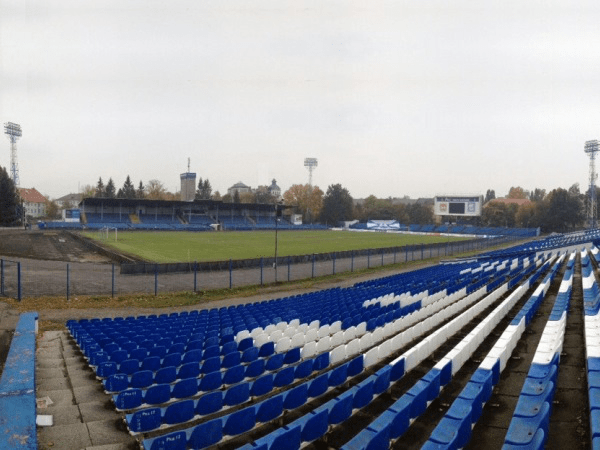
[177,246]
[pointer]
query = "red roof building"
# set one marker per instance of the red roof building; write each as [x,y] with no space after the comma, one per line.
[33,201]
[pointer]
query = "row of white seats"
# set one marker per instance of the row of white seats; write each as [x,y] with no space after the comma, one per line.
[507,342]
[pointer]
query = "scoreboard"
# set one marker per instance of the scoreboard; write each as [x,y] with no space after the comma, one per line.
[453,205]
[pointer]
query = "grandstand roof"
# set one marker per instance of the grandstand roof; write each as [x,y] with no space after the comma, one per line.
[135,202]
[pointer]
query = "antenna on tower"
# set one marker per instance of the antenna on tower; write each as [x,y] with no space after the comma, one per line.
[188,165]
[13,131]
[310,164]
[591,148]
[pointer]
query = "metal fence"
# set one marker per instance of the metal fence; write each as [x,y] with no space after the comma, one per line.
[21,278]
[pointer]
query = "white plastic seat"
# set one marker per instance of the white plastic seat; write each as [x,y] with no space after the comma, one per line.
[309,350]
[294,323]
[314,324]
[282,326]
[243,334]
[385,349]
[297,340]
[256,332]
[366,342]
[323,331]
[337,339]
[270,328]
[323,345]
[276,335]
[349,333]
[335,327]
[311,335]
[261,339]
[377,335]
[361,329]
[371,357]
[353,348]
[397,342]
[289,332]
[283,345]
[338,354]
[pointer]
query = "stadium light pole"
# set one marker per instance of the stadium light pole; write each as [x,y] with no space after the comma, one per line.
[277,205]
[310,164]
[13,131]
[591,148]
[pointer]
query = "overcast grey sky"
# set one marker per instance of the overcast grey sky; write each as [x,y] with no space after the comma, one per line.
[393,97]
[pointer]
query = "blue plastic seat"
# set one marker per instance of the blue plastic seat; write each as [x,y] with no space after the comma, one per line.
[174,359]
[118,356]
[338,375]
[270,409]
[179,412]
[142,379]
[151,363]
[321,361]
[211,365]
[292,356]
[188,370]
[195,345]
[128,399]
[284,438]
[176,348]
[144,420]
[318,386]
[246,344]
[210,403]
[116,383]
[364,393]
[129,366]
[185,388]
[211,381]
[192,356]
[229,347]
[237,394]
[267,349]
[262,385]
[274,362]
[304,369]
[165,375]
[296,397]
[315,425]
[138,353]
[211,341]
[249,354]
[231,359]
[240,422]
[382,382]
[342,408]
[212,351]
[234,375]
[159,351]
[284,377]
[255,368]
[206,434]
[450,433]
[157,394]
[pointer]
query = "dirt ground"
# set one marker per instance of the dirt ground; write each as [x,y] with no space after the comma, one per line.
[46,245]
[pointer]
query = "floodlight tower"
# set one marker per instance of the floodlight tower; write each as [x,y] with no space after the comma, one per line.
[13,131]
[310,163]
[591,148]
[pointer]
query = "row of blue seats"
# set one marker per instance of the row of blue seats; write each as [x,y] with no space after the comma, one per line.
[530,421]
[213,431]
[146,379]
[240,393]
[454,430]
[396,419]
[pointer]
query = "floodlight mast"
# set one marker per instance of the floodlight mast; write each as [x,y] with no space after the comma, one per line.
[13,131]
[591,148]
[310,164]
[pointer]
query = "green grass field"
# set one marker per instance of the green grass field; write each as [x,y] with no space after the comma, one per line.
[164,247]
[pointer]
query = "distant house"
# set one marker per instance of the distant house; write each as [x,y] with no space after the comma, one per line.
[33,201]
[69,200]
[238,187]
